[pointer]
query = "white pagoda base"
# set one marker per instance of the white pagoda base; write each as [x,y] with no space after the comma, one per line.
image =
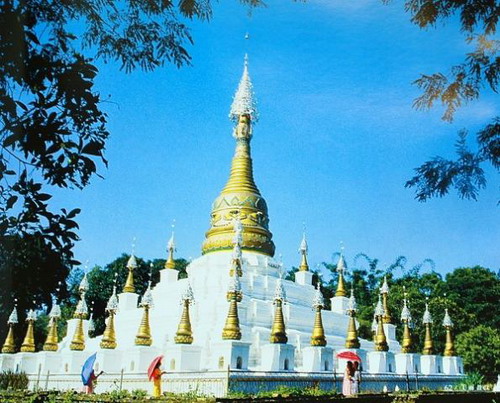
[6,362]
[168,276]
[108,360]
[182,357]
[452,365]
[304,278]
[26,362]
[127,301]
[381,362]
[138,358]
[49,361]
[339,304]
[278,357]
[407,363]
[430,364]
[232,354]
[317,359]
[72,361]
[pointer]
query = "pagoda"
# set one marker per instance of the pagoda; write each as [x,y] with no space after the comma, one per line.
[235,317]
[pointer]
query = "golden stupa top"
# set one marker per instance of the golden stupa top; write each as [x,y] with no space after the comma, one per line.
[240,199]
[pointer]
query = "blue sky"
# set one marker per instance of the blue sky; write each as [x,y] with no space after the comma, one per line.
[336,141]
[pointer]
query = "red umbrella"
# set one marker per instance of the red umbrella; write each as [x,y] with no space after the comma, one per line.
[153,365]
[349,355]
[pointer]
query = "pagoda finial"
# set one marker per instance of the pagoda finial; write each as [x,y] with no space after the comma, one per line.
[108,340]
[52,339]
[341,290]
[318,333]
[384,290]
[407,344]
[184,333]
[352,340]
[9,346]
[303,249]
[241,197]
[380,339]
[170,263]
[28,345]
[231,330]
[427,321]
[143,337]
[131,266]
[449,347]
[81,312]
[244,103]
[278,331]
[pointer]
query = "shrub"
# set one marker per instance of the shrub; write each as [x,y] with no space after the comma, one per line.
[13,380]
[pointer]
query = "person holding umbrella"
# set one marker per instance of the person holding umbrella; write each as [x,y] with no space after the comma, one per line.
[89,378]
[154,374]
[356,378]
[350,384]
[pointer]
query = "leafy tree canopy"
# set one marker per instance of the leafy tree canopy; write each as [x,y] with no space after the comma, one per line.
[53,130]
[480,349]
[461,84]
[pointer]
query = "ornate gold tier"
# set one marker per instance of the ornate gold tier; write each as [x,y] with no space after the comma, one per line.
[108,340]
[241,199]
[232,329]
[318,334]
[143,337]
[184,333]
[407,344]
[28,345]
[428,343]
[387,316]
[380,339]
[52,338]
[78,342]
[129,284]
[9,347]
[449,347]
[352,340]
[341,289]
[278,331]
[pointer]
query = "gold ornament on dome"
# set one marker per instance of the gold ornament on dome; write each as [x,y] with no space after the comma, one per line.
[240,198]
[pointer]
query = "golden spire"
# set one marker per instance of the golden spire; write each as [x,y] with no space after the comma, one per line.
[380,339]
[81,312]
[9,346]
[304,266]
[234,295]
[384,290]
[52,337]
[170,263]
[184,333]
[231,329]
[28,345]
[108,340]
[341,291]
[427,321]
[143,337]
[318,333]
[352,340]
[278,331]
[449,347]
[407,344]
[240,197]
[131,266]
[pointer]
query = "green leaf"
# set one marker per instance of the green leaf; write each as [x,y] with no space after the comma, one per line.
[12,139]
[10,202]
